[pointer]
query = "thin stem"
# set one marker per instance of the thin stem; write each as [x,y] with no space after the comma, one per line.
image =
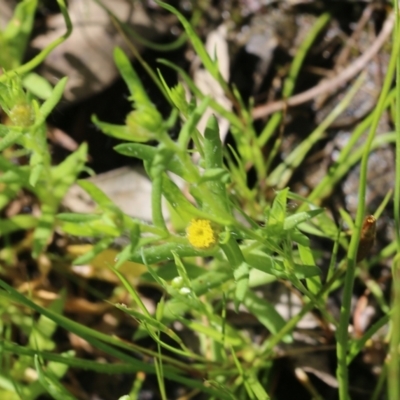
[342,334]
[393,365]
[30,65]
[397,184]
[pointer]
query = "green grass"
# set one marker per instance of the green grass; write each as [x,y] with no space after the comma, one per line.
[206,261]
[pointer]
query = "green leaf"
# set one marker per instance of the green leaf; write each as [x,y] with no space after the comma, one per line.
[104,342]
[256,387]
[265,312]
[36,170]
[141,151]
[241,275]
[230,337]
[51,383]
[16,34]
[163,252]
[97,249]
[230,116]
[42,330]
[212,144]
[294,220]
[132,80]
[307,258]
[121,132]
[20,173]
[4,129]
[55,97]
[78,218]
[202,285]
[96,228]
[44,230]
[190,125]
[180,204]
[145,122]
[148,153]
[215,174]
[277,213]
[7,194]
[197,43]
[11,177]
[178,97]
[16,223]
[264,262]
[37,85]
[96,194]
[11,138]
[65,174]
[168,272]
[299,238]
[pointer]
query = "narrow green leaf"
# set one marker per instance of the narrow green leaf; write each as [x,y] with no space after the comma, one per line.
[182,270]
[56,95]
[11,138]
[65,173]
[264,262]
[314,283]
[95,228]
[168,271]
[189,127]
[36,163]
[277,213]
[215,174]
[212,144]
[17,33]
[132,80]
[97,194]
[182,205]
[230,116]
[44,230]
[16,223]
[229,338]
[52,384]
[265,312]
[163,252]
[121,132]
[78,218]
[197,43]
[201,285]
[256,387]
[241,275]
[148,153]
[40,337]
[97,249]
[37,85]
[141,151]
[295,219]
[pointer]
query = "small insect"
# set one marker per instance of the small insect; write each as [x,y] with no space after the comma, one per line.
[368,233]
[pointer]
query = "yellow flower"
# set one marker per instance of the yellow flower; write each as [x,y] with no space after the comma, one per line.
[202,234]
[22,115]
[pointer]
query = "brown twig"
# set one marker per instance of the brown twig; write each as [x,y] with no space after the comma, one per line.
[351,71]
[352,41]
[344,54]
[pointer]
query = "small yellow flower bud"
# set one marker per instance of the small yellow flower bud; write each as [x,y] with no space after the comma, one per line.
[202,234]
[22,115]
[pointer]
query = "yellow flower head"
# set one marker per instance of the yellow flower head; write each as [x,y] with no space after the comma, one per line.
[202,234]
[22,115]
